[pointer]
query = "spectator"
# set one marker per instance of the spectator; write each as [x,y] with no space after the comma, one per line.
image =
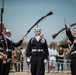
[22,56]
[49,47]
[14,60]
[52,58]
[67,47]
[18,57]
[60,59]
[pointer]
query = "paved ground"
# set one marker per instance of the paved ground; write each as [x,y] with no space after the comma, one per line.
[25,73]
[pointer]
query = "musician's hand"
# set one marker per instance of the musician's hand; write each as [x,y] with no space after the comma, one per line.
[24,38]
[4,56]
[69,26]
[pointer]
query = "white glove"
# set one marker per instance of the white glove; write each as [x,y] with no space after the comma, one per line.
[28,59]
[45,61]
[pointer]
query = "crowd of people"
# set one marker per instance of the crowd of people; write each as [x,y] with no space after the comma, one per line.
[37,53]
[57,58]
[18,60]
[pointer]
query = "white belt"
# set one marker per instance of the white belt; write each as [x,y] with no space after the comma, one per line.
[73,52]
[37,50]
[8,50]
[1,48]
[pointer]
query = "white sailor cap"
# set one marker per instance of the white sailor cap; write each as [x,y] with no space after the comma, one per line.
[37,29]
[7,31]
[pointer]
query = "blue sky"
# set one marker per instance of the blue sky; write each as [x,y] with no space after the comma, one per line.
[20,15]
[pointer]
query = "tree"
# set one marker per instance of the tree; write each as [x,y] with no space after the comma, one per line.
[24,44]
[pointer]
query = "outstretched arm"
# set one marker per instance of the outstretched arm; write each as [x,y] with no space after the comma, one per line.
[69,34]
[20,42]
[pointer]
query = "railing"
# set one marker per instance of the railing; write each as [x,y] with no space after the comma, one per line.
[66,66]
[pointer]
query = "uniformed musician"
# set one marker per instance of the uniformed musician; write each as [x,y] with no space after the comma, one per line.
[72,38]
[2,55]
[37,50]
[9,47]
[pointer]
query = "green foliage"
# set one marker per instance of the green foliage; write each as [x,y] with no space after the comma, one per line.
[61,42]
[24,44]
[53,43]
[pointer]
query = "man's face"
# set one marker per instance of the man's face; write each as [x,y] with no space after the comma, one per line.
[37,32]
[61,48]
[8,34]
[3,31]
[74,33]
[53,46]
